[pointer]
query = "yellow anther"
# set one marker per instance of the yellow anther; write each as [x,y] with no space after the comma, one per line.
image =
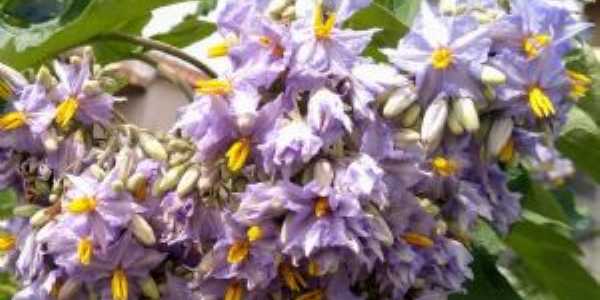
[314,269]
[234,291]
[119,285]
[442,58]
[238,252]
[238,154]
[507,153]
[535,43]
[66,111]
[291,277]
[12,120]
[445,167]
[580,84]
[219,49]
[418,240]
[82,205]
[5,90]
[254,233]
[214,87]
[7,241]
[317,294]
[85,251]
[140,192]
[323,26]
[322,207]
[540,103]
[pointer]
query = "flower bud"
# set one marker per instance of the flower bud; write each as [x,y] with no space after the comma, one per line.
[454,125]
[12,76]
[410,117]
[383,232]
[188,181]
[434,122]
[171,179]
[92,87]
[149,288]
[499,135]
[492,76]
[26,211]
[152,147]
[406,137]
[135,182]
[448,7]
[245,123]
[323,173]
[117,186]
[40,218]
[50,143]
[69,289]
[97,171]
[398,102]
[142,231]
[178,145]
[44,77]
[466,114]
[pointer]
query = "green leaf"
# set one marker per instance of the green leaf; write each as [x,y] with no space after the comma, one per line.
[488,283]
[82,20]
[550,260]
[378,16]
[8,200]
[189,31]
[206,6]
[406,10]
[107,52]
[543,202]
[580,141]
[485,237]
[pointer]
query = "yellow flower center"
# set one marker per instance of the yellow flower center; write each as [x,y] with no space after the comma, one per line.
[7,241]
[238,252]
[234,291]
[317,294]
[507,153]
[291,277]
[418,240]
[540,103]
[444,167]
[12,120]
[214,87]
[535,43]
[322,207]
[323,24]
[442,58]
[82,205]
[580,84]
[277,50]
[254,233]
[314,269]
[238,154]
[119,285]
[66,111]
[219,49]
[85,251]
[5,90]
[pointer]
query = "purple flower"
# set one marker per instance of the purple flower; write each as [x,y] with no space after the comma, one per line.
[327,116]
[443,53]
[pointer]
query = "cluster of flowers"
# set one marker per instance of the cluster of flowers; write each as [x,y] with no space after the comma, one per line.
[308,172]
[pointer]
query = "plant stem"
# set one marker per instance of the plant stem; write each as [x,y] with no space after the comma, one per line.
[166,48]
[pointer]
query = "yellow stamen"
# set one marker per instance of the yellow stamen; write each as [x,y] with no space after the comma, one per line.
[12,120]
[444,167]
[317,294]
[535,43]
[234,291]
[238,154]
[7,242]
[85,251]
[442,58]
[119,285]
[5,90]
[65,112]
[418,240]
[292,278]
[214,87]
[267,42]
[254,233]
[580,84]
[314,269]
[322,207]
[323,27]
[219,49]
[507,153]
[238,252]
[540,103]
[82,205]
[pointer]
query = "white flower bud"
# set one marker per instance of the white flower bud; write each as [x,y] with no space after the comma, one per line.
[50,143]
[92,87]
[178,145]
[44,77]
[245,123]
[398,102]
[499,135]
[171,179]
[40,218]
[492,76]
[411,116]
[69,289]
[26,211]
[97,171]
[406,137]
[448,7]
[323,173]
[12,76]
[152,147]
[117,186]
[434,122]
[142,231]
[454,125]
[149,288]
[135,182]
[188,181]
[466,114]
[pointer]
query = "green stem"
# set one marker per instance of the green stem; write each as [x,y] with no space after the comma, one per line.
[166,48]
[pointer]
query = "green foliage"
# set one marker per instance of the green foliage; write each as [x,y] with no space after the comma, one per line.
[80,21]
[580,141]
[189,31]
[584,61]
[206,6]
[107,51]
[8,200]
